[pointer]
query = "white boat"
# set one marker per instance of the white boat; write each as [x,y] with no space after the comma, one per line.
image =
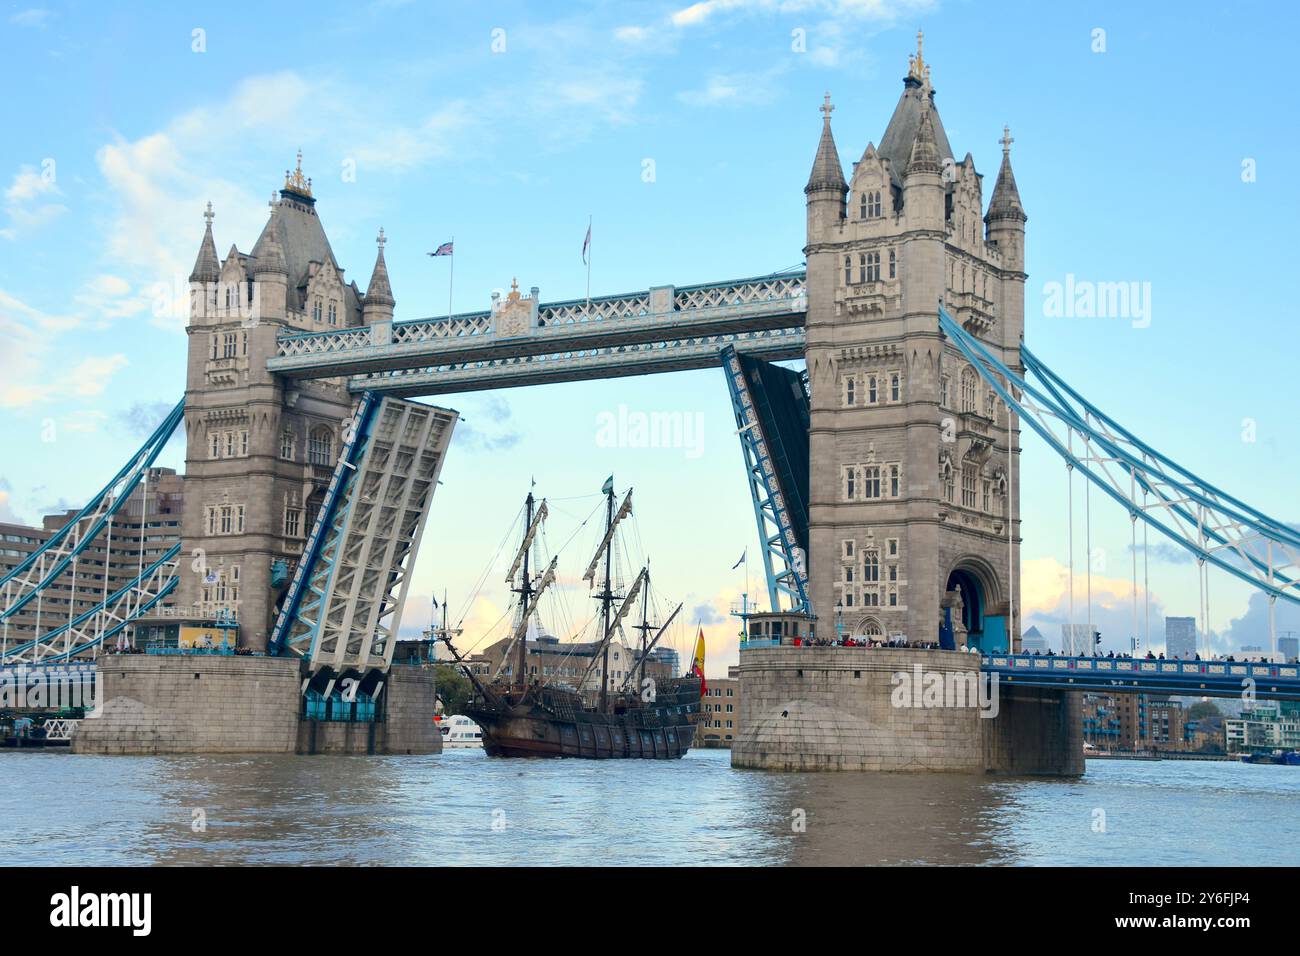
[460,732]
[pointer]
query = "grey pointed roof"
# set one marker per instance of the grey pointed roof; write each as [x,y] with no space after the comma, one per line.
[379,292]
[896,144]
[1005,203]
[268,254]
[301,238]
[827,173]
[207,267]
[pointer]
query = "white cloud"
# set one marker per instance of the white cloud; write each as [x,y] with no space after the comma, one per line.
[735,89]
[26,202]
[33,17]
[29,374]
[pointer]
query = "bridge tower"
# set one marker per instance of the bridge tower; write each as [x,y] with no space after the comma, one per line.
[914,504]
[260,449]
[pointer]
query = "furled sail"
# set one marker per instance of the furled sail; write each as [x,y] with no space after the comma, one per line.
[528,542]
[624,511]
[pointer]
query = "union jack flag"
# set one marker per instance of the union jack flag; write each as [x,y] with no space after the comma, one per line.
[443,250]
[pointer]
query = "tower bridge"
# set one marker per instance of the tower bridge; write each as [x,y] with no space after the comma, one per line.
[884,474]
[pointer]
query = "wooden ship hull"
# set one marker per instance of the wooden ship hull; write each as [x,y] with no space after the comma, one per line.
[553,723]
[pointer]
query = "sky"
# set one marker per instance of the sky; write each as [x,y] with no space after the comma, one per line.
[1152,144]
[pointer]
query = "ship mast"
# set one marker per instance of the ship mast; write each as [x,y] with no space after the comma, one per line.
[645,626]
[525,591]
[607,598]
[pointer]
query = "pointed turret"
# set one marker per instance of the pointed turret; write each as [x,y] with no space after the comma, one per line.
[924,157]
[267,255]
[827,174]
[378,303]
[207,267]
[827,191]
[1005,203]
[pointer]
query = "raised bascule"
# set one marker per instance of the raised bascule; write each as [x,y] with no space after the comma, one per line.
[883,474]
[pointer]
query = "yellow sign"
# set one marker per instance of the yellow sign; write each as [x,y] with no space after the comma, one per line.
[198,635]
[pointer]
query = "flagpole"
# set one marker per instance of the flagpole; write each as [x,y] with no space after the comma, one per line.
[589,253]
[451,279]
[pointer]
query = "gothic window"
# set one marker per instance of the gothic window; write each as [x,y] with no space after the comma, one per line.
[891,547]
[871,389]
[943,390]
[893,264]
[986,490]
[893,572]
[245,343]
[243,443]
[320,446]
[893,481]
[316,310]
[848,575]
[286,445]
[895,387]
[873,205]
[946,474]
[848,270]
[212,520]
[228,345]
[846,547]
[214,347]
[862,268]
[850,384]
[871,567]
[862,209]
[230,444]
[893,598]
[968,486]
[230,297]
[334,314]
[871,481]
[968,389]
[292,522]
[216,445]
[239,519]
[850,482]
[227,525]
[872,267]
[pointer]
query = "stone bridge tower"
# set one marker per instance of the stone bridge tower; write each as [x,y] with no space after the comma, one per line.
[260,450]
[914,517]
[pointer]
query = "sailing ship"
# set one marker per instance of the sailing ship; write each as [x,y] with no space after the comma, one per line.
[524,715]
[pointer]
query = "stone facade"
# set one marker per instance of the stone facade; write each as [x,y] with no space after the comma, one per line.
[914,469]
[224,704]
[259,449]
[837,708]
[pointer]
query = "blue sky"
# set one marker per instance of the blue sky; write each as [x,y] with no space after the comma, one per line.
[1129,162]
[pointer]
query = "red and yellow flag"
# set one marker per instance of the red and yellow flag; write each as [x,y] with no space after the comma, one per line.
[697,665]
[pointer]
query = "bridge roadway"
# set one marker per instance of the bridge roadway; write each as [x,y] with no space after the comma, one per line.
[660,329]
[1140,675]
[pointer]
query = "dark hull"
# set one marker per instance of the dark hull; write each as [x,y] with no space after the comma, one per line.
[549,728]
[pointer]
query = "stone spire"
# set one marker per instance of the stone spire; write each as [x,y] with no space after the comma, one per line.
[379,292]
[925,151]
[267,255]
[827,174]
[1005,203]
[207,267]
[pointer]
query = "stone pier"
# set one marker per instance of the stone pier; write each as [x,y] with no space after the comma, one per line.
[841,708]
[157,704]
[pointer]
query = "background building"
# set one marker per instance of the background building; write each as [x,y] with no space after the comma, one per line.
[146,526]
[1136,722]
[1267,725]
[1077,639]
[1033,642]
[1289,647]
[1180,638]
[719,719]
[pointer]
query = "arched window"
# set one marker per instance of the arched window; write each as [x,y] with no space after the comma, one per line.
[875,205]
[968,389]
[848,270]
[334,314]
[872,267]
[862,209]
[871,567]
[862,268]
[871,389]
[895,388]
[893,264]
[320,446]
[316,310]
[850,384]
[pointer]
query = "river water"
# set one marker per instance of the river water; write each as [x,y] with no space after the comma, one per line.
[462,808]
